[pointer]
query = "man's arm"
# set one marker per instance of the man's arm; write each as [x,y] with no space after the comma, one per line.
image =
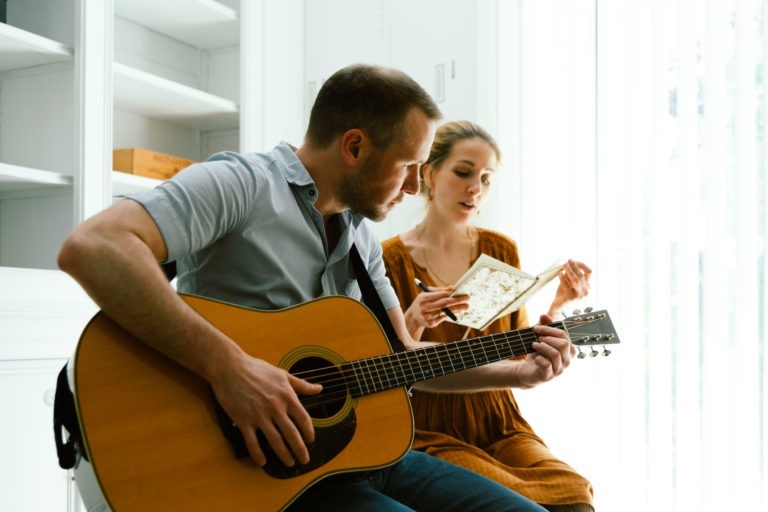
[114,256]
[553,354]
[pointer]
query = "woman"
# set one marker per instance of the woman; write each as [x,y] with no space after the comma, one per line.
[481,431]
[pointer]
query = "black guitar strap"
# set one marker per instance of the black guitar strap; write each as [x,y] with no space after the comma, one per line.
[69,443]
[372,300]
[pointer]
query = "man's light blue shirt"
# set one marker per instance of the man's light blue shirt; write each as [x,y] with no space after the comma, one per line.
[244,229]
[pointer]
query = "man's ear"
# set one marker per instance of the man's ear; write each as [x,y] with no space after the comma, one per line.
[355,146]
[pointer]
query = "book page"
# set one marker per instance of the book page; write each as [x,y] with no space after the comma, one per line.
[496,289]
[542,279]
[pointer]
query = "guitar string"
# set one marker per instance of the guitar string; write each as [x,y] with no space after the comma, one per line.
[524,335]
[388,363]
[477,345]
[333,391]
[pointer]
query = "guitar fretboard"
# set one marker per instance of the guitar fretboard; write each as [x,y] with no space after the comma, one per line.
[380,373]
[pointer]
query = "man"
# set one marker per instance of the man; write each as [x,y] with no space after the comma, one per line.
[273,230]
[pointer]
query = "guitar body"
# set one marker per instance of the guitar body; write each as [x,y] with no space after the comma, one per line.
[150,427]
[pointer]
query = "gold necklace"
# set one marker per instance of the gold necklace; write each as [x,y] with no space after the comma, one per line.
[419,229]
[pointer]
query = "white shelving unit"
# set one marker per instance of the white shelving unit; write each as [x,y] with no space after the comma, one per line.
[165,76]
[22,49]
[16,178]
[173,88]
[79,78]
[155,97]
[183,19]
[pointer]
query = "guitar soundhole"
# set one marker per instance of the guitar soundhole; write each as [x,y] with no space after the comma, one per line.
[334,420]
[331,400]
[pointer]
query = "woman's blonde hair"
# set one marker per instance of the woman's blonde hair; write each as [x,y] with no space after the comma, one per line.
[446,136]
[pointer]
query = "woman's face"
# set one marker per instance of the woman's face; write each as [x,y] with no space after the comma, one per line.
[460,185]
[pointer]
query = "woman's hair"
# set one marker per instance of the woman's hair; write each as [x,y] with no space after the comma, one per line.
[374,99]
[446,136]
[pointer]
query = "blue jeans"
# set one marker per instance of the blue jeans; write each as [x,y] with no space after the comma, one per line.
[418,482]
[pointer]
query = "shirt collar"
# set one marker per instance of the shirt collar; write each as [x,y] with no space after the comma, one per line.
[296,174]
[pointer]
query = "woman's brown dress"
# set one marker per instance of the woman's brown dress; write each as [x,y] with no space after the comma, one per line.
[483,431]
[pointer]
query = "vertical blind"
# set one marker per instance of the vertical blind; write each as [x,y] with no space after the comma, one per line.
[640,149]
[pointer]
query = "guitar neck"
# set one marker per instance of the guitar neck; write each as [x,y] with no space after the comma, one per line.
[375,374]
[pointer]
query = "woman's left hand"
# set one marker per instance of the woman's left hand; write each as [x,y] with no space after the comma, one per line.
[574,284]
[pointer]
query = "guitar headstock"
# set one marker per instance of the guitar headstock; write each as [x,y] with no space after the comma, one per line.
[590,329]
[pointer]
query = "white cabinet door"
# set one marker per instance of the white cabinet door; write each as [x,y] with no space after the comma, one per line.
[31,476]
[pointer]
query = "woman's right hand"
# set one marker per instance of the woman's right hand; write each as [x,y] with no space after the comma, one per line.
[426,310]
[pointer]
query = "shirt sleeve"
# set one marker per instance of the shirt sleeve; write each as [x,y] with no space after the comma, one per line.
[203,202]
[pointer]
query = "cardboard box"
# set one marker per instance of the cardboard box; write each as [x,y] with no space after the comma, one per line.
[148,163]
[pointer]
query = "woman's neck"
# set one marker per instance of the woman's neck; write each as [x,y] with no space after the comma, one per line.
[446,250]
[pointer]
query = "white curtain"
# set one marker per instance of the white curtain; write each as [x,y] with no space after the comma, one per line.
[640,148]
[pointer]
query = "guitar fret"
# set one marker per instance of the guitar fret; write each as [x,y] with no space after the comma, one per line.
[353,380]
[406,356]
[363,380]
[392,380]
[485,354]
[397,364]
[377,369]
[369,379]
[423,357]
[495,346]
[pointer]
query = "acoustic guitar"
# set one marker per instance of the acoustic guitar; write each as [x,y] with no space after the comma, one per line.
[158,440]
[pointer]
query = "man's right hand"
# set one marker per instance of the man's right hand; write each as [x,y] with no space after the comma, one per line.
[261,397]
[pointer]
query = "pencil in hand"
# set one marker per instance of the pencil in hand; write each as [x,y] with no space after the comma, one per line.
[425,288]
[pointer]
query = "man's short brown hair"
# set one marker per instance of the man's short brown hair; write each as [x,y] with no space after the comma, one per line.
[371,98]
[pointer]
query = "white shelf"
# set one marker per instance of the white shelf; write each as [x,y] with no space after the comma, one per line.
[156,97]
[15,178]
[200,23]
[22,49]
[124,183]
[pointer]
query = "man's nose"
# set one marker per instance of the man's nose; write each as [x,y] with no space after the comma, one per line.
[411,183]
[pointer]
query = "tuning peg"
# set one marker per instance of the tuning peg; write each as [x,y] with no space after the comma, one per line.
[606,352]
[592,352]
[580,355]
[576,312]
[588,309]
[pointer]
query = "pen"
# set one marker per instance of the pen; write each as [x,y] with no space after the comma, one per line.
[425,288]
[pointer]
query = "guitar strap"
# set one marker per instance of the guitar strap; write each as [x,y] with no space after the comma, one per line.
[69,445]
[373,301]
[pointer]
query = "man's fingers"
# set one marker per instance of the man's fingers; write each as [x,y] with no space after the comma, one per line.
[277,443]
[297,411]
[254,448]
[295,441]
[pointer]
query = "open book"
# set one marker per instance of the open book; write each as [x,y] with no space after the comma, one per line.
[497,289]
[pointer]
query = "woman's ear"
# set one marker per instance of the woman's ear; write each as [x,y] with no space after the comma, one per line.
[354,146]
[426,175]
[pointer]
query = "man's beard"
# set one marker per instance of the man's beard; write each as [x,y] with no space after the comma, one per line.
[353,192]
